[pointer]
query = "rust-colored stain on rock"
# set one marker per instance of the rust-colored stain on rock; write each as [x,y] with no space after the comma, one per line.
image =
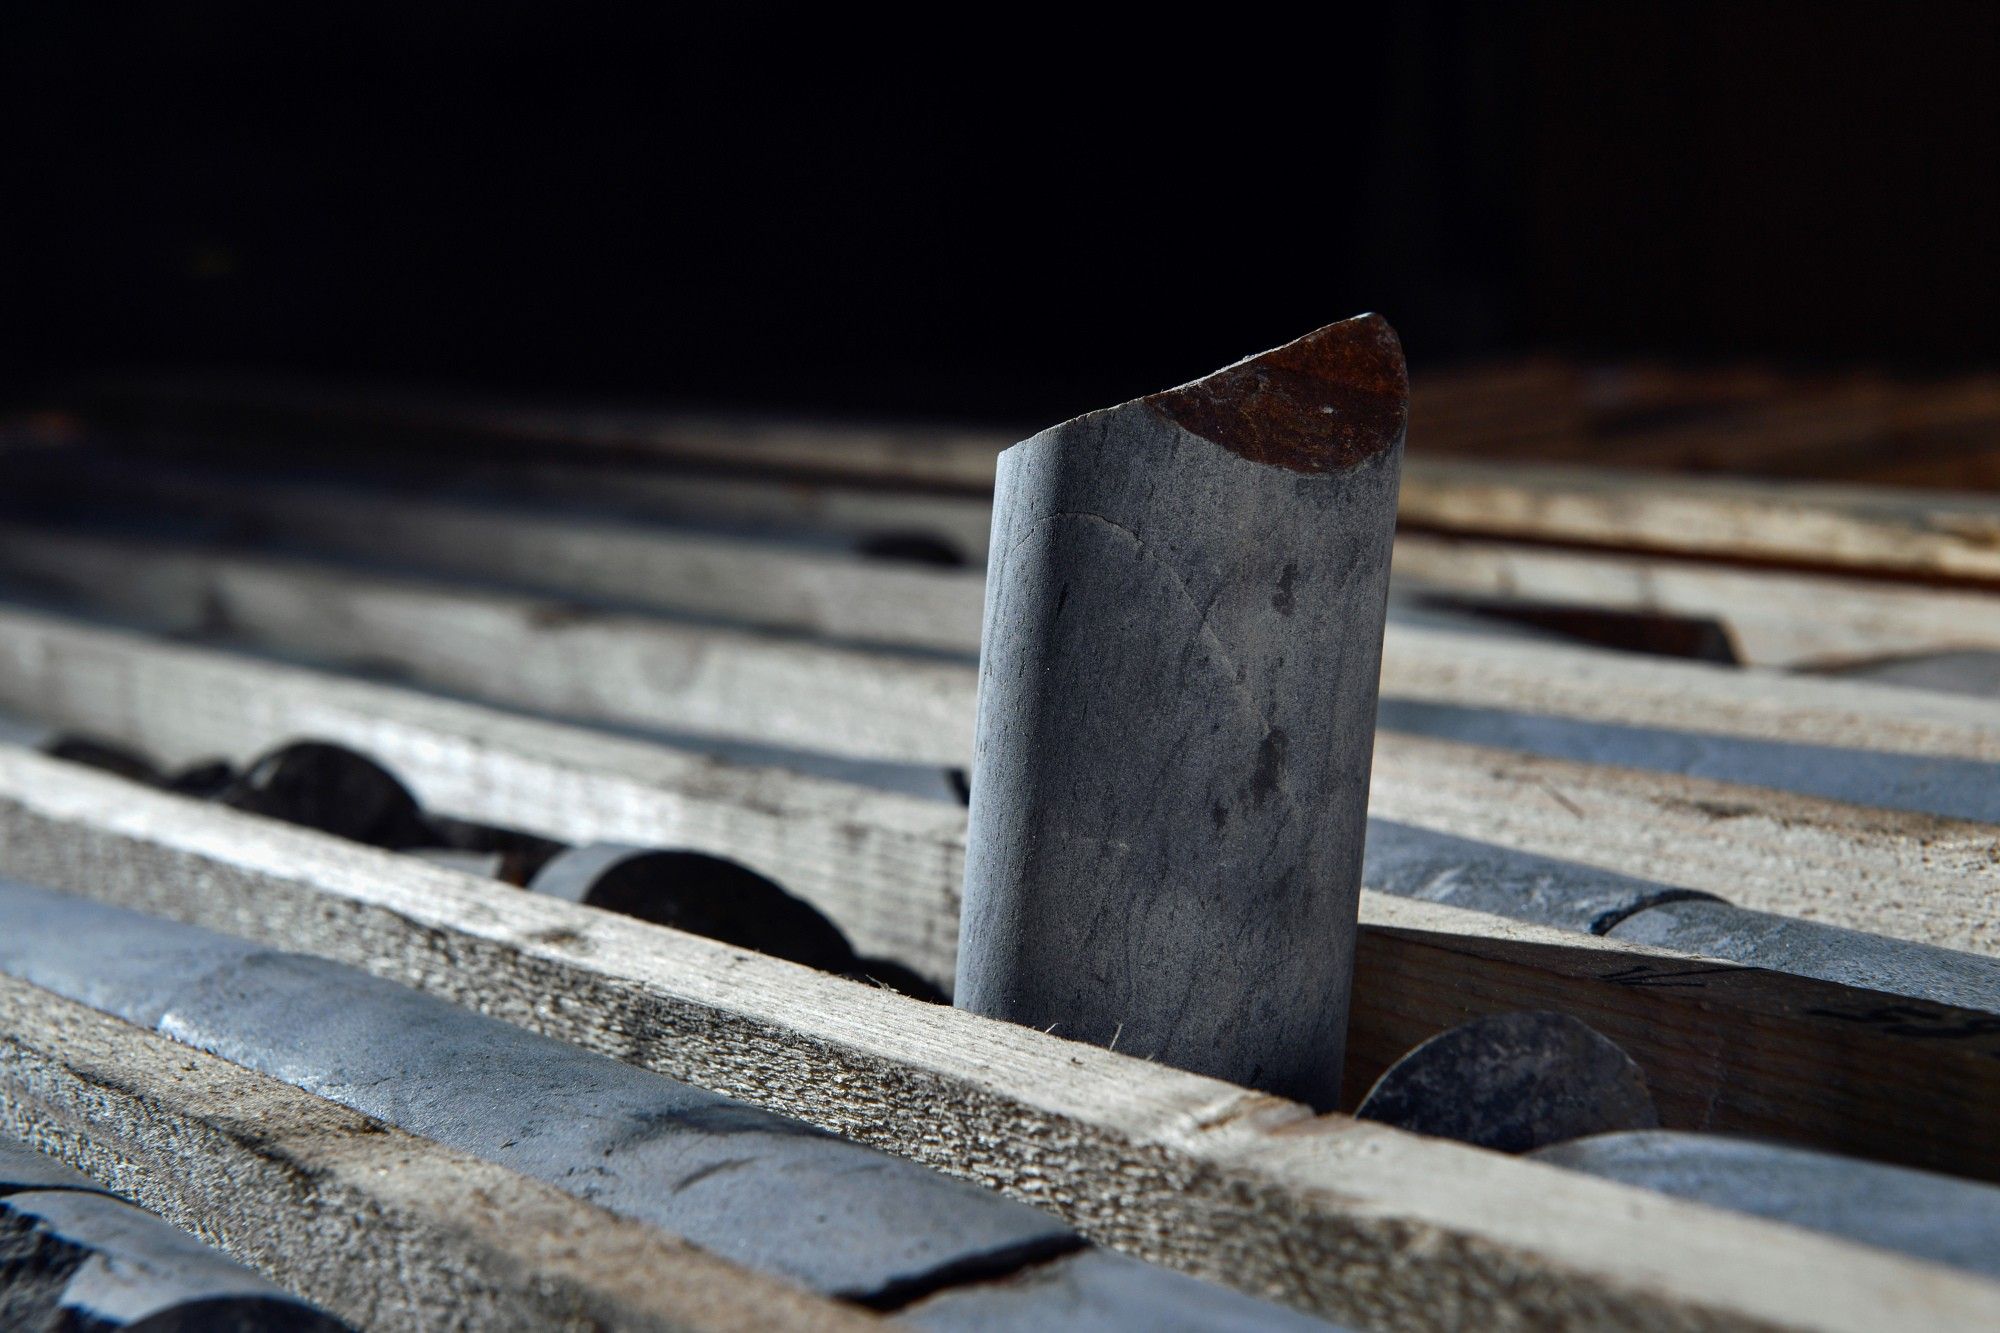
[1323,403]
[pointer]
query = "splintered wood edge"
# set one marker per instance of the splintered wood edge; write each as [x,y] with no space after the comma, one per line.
[1356,1221]
[381,1228]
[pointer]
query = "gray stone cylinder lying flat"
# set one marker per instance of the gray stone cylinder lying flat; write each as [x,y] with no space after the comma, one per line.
[770,1193]
[1096,1292]
[1176,714]
[1415,862]
[1513,1082]
[1437,867]
[1922,784]
[1919,1213]
[730,1177]
[75,1259]
[1815,949]
[696,892]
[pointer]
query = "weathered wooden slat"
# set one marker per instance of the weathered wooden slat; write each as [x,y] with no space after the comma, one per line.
[1529,402]
[853,511]
[1413,862]
[722,1174]
[1772,619]
[888,867]
[805,509]
[254,412]
[1686,1022]
[556,657]
[1837,428]
[877,861]
[648,672]
[1751,726]
[1348,1219]
[1910,876]
[880,1231]
[1634,416]
[1530,407]
[1936,534]
[1594,685]
[1948,787]
[1741,420]
[383,1229]
[745,581]
[759,583]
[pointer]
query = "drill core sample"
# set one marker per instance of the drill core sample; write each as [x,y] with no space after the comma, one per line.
[1176,714]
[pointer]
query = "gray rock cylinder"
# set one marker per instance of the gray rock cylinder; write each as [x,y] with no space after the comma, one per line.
[1920,1213]
[1177,711]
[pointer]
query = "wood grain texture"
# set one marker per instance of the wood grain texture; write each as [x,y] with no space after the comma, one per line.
[103,480]
[554,656]
[888,868]
[1910,876]
[1932,533]
[1744,420]
[384,1229]
[1352,1220]
[1724,1048]
[1598,685]
[948,458]
[1838,427]
[638,670]
[765,584]
[879,862]
[1772,619]
[848,509]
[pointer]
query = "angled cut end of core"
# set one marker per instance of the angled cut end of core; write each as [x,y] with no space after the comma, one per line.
[1326,402]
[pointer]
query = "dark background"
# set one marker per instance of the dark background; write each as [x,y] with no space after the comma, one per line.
[982,214]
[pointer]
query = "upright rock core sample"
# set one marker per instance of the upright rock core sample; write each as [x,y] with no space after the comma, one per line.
[1177,712]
